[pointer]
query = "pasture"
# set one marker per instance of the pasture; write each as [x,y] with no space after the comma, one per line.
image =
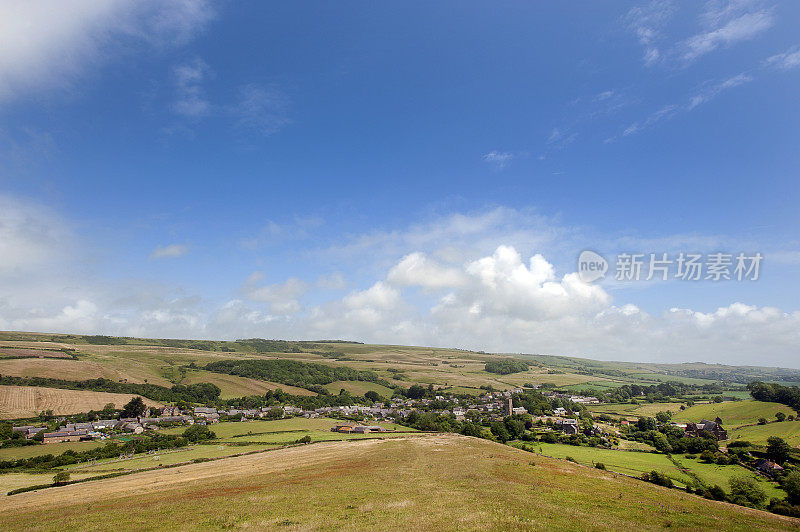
[732,413]
[758,434]
[636,463]
[430,482]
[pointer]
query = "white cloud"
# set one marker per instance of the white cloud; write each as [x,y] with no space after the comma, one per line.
[415,269]
[31,236]
[283,298]
[171,251]
[261,109]
[787,60]
[191,101]
[488,282]
[714,90]
[726,32]
[52,43]
[498,159]
[647,22]
[331,281]
[707,93]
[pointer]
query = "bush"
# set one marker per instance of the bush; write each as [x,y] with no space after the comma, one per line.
[197,433]
[658,478]
[778,506]
[571,459]
[61,478]
[762,421]
[304,439]
[746,492]
[600,465]
[715,493]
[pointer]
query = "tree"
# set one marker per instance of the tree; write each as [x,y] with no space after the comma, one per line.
[780,416]
[791,485]
[415,392]
[373,396]
[746,492]
[778,449]
[471,429]
[62,477]
[5,431]
[718,399]
[199,433]
[108,410]
[664,417]
[134,408]
[762,421]
[499,430]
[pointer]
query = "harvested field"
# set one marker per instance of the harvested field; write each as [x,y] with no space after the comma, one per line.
[28,401]
[55,368]
[33,353]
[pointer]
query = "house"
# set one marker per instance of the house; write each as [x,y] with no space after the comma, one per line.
[519,410]
[768,467]
[60,436]
[714,428]
[560,411]
[345,428]
[202,411]
[567,426]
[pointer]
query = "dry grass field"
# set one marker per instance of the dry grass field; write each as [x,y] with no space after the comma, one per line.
[28,352]
[55,368]
[28,401]
[440,482]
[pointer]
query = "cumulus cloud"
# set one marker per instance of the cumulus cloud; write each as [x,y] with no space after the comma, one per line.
[462,284]
[52,43]
[172,251]
[415,269]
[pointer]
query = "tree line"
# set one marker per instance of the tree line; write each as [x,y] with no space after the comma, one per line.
[308,375]
[193,393]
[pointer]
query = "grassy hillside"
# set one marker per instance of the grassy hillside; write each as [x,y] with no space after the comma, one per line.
[734,413]
[758,434]
[435,482]
[683,471]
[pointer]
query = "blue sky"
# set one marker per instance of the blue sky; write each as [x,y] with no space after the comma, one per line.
[386,173]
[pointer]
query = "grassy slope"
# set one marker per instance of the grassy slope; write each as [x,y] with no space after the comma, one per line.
[636,463]
[734,413]
[436,482]
[788,430]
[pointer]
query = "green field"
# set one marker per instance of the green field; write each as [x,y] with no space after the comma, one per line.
[733,413]
[15,453]
[423,483]
[627,462]
[635,410]
[636,463]
[758,434]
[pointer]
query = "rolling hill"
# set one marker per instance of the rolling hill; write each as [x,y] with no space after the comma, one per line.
[433,482]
